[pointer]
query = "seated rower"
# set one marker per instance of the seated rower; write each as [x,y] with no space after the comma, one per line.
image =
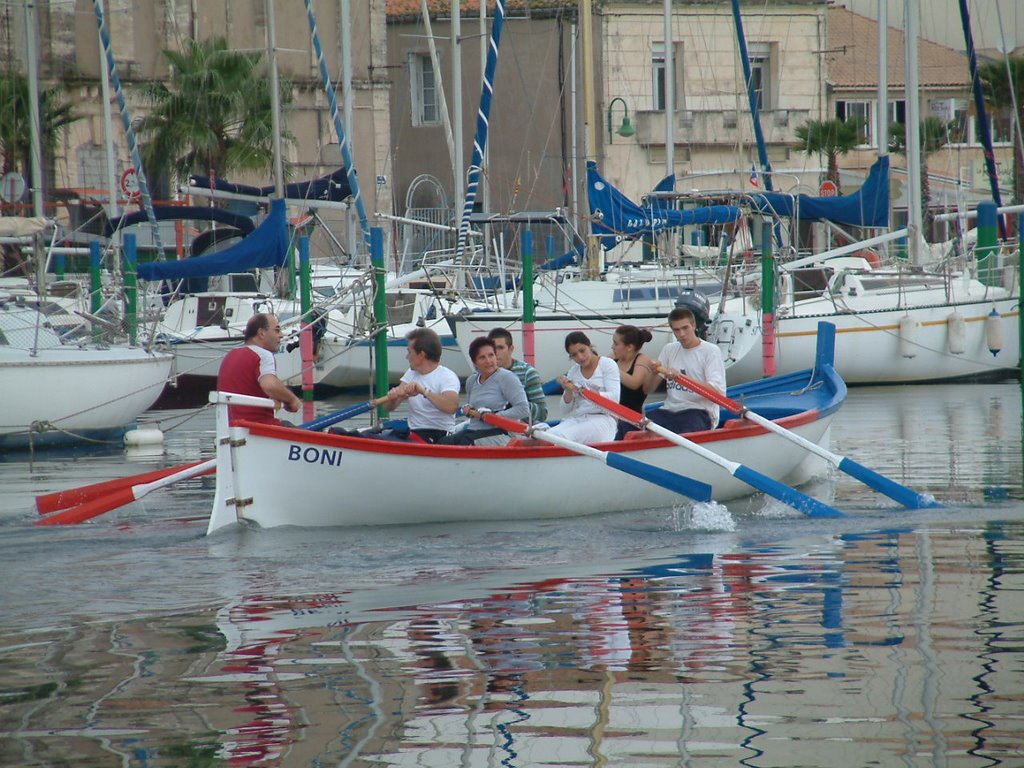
[495,389]
[583,421]
[431,389]
[683,410]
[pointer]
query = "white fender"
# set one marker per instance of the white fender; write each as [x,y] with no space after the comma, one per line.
[908,336]
[957,333]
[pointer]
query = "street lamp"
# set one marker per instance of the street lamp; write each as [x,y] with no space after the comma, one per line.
[626,129]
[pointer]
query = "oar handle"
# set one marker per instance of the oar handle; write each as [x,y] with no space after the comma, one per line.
[701,389]
[503,422]
[621,411]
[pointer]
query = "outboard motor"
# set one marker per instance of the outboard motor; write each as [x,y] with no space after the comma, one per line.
[698,303]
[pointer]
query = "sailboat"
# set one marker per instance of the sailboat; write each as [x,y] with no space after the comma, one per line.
[895,324]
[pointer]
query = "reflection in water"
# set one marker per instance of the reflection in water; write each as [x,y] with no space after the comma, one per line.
[886,647]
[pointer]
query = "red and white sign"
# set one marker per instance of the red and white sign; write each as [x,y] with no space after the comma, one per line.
[12,187]
[130,184]
[828,188]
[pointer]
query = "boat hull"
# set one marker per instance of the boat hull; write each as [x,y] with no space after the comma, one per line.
[67,395]
[274,476]
[871,349]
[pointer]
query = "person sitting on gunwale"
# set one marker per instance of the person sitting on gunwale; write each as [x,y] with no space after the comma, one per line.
[582,420]
[493,388]
[431,389]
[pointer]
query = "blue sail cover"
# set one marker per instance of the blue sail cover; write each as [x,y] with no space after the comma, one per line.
[621,219]
[265,247]
[867,207]
[181,213]
[333,187]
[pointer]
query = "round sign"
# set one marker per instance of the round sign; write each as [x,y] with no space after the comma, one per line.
[130,184]
[828,188]
[12,187]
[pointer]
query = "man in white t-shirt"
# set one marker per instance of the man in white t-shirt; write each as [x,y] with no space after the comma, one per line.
[431,389]
[683,410]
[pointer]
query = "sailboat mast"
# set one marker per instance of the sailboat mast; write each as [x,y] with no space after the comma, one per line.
[913,126]
[275,98]
[882,115]
[762,149]
[35,148]
[670,93]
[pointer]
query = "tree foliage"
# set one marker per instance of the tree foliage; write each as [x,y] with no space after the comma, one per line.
[831,138]
[16,122]
[214,115]
[933,133]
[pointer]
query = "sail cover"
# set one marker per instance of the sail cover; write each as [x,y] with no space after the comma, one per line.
[265,247]
[867,207]
[616,218]
[334,187]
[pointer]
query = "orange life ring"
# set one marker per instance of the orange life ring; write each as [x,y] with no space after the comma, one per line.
[870,257]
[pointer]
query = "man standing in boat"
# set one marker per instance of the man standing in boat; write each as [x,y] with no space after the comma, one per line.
[527,374]
[252,370]
[683,410]
[431,389]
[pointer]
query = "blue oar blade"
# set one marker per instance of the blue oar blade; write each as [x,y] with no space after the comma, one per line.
[909,498]
[685,486]
[333,418]
[799,501]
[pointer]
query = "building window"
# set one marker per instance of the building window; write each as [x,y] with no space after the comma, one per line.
[424,90]
[964,125]
[862,113]
[658,71]
[760,57]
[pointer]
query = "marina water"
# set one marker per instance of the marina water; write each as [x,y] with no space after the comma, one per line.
[700,635]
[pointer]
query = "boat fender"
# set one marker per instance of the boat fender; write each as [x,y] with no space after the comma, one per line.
[908,336]
[146,437]
[994,332]
[957,333]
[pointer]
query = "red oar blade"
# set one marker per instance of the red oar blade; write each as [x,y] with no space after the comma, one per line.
[90,509]
[52,502]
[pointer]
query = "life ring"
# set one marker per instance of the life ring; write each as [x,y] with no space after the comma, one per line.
[870,257]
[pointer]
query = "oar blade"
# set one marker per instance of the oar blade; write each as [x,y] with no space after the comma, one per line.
[908,497]
[90,509]
[799,501]
[684,486]
[52,502]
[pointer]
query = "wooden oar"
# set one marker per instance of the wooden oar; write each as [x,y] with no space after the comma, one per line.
[121,488]
[908,497]
[685,486]
[799,501]
[96,507]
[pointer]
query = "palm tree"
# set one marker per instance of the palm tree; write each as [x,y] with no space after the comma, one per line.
[934,135]
[215,114]
[831,138]
[16,122]
[1003,82]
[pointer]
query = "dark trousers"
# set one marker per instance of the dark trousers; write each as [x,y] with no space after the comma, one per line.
[690,420]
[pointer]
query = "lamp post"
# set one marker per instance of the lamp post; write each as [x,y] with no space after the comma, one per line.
[626,129]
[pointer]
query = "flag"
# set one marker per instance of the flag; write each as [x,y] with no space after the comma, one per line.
[753,175]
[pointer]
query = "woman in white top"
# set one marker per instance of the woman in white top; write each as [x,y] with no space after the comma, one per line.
[582,420]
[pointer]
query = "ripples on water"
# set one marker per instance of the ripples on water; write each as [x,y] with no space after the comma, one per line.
[701,635]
